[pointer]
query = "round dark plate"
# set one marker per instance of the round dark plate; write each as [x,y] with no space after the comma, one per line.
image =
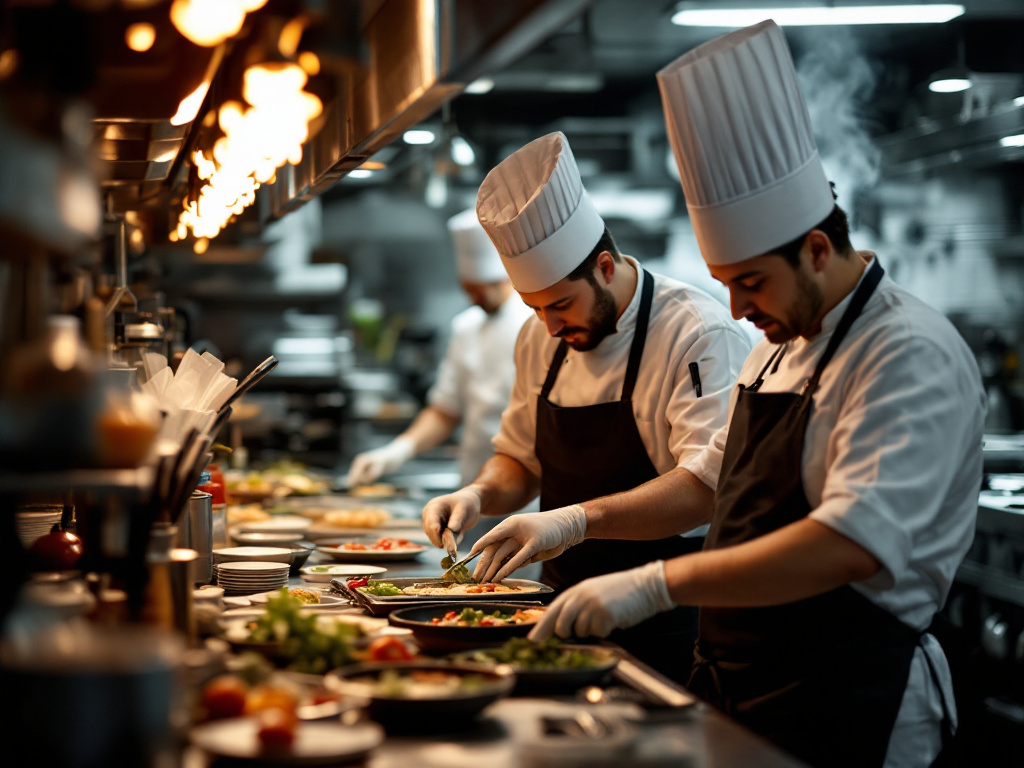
[535,680]
[432,637]
[421,710]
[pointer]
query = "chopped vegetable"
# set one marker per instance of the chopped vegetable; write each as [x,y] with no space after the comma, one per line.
[460,575]
[380,588]
[522,653]
[301,639]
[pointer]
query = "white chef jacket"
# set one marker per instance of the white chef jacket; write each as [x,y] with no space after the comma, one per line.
[686,325]
[474,380]
[892,459]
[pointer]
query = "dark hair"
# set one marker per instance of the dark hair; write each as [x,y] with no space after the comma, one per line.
[835,226]
[585,270]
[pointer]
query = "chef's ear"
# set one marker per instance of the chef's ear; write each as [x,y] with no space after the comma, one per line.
[819,248]
[606,266]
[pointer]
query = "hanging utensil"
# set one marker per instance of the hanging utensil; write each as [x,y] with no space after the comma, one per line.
[249,381]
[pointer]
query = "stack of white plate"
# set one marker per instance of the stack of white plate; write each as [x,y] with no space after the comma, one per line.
[249,577]
[35,523]
[277,524]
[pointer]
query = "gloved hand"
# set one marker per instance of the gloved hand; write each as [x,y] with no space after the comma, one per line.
[527,538]
[368,466]
[614,601]
[459,511]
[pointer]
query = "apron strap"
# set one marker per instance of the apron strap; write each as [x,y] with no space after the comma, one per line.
[554,368]
[860,298]
[776,356]
[636,349]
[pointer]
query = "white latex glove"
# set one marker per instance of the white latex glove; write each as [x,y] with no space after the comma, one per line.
[614,601]
[368,466]
[527,538]
[459,511]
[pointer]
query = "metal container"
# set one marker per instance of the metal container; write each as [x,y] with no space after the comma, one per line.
[195,531]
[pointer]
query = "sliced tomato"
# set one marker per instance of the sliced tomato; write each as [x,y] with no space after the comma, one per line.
[390,648]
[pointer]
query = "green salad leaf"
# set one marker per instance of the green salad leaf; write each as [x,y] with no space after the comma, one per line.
[380,588]
[522,653]
[460,575]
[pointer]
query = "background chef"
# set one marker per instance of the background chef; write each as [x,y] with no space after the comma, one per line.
[622,375]
[474,381]
[844,488]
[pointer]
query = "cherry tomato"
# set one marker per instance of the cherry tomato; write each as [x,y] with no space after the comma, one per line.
[390,648]
[224,696]
[276,728]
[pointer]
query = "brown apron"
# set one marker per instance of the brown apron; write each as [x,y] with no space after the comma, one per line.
[822,677]
[595,450]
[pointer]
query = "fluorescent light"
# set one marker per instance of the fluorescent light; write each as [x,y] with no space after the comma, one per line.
[418,136]
[1019,101]
[1012,141]
[809,16]
[949,85]
[359,173]
[480,85]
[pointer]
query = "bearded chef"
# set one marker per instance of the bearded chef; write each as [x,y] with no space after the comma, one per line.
[622,375]
[474,381]
[842,495]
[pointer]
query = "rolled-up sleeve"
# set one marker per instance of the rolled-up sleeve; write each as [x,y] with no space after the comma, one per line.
[516,438]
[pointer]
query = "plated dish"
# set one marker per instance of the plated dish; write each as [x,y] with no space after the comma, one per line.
[382,549]
[316,743]
[325,572]
[422,694]
[548,665]
[460,626]
[383,604]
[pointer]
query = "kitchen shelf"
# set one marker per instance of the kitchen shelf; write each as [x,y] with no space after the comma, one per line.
[131,482]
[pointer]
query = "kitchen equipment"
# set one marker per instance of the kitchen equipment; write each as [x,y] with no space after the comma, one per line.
[402,698]
[195,531]
[251,380]
[463,561]
[437,637]
[534,678]
[451,546]
[534,594]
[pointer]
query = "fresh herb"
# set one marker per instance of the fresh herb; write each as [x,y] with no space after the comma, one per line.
[460,575]
[301,639]
[519,652]
[380,588]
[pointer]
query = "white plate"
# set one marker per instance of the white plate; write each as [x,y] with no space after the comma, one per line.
[253,567]
[372,555]
[320,573]
[272,539]
[279,524]
[250,554]
[262,597]
[316,743]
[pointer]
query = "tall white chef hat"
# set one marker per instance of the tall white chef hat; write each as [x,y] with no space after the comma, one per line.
[476,259]
[536,211]
[742,138]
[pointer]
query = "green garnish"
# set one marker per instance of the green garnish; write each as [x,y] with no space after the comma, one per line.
[301,638]
[380,588]
[460,575]
[519,652]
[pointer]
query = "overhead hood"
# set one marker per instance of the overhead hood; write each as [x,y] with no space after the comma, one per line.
[417,56]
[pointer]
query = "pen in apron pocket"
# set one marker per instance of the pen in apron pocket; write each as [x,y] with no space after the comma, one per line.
[695,377]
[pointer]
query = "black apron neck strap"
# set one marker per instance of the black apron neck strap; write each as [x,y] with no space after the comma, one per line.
[860,298]
[636,349]
[554,368]
[776,356]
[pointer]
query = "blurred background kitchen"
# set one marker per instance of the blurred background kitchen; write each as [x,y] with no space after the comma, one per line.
[116,118]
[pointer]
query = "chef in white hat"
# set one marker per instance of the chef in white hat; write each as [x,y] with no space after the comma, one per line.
[474,381]
[843,492]
[622,375]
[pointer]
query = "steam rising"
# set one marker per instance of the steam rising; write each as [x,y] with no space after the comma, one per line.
[838,83]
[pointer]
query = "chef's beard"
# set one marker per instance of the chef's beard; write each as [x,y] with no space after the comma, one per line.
[600,324]
[801,316]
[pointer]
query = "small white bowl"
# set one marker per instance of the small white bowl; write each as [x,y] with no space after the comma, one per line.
[253,538]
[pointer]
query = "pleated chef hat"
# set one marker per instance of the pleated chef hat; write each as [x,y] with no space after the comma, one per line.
[476,260]
[533,206]
[742,138]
